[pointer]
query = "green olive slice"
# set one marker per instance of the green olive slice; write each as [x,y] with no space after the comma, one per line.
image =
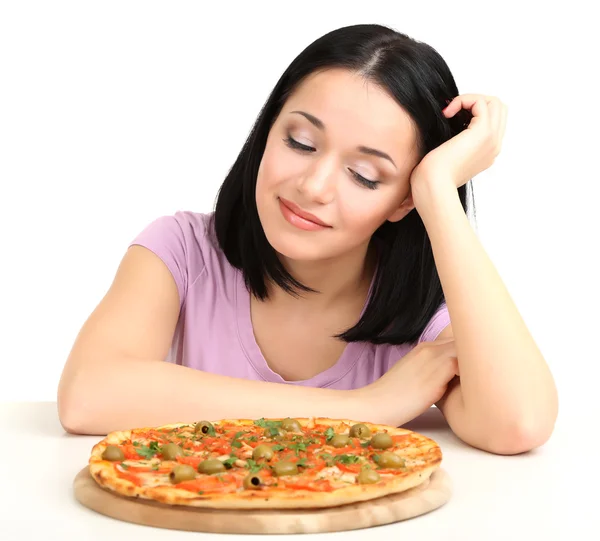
[284,467]
[274,432]
[339,440]
[204,427]
[382,440]
[263,451]
[113,453]
[182,472]
[211,465]
[367,476]
[360,430]
[291,425]
[388,459]
[171,451]
[252,481]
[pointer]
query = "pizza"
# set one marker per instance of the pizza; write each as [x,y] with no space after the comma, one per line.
[264,463]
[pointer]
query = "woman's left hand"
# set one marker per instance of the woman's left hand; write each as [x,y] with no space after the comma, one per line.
[471,151]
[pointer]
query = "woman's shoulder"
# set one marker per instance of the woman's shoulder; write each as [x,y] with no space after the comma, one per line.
[186,242]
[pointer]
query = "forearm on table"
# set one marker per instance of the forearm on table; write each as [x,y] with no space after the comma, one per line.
[137,393]
[505,383]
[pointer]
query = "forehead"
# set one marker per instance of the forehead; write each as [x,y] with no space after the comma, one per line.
[355,109]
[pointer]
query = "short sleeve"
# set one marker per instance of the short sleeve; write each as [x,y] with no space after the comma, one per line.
[174,239]
[439,321]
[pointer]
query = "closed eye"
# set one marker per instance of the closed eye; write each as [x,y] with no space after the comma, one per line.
[292,143]
[371,184]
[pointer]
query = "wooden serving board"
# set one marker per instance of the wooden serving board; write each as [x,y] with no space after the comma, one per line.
[430,495]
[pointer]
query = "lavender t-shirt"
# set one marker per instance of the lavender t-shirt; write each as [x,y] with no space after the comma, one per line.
[214,332]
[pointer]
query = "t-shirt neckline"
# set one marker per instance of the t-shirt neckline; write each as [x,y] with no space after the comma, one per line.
[347,360]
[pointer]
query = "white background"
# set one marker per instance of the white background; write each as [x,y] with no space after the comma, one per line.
[113,113]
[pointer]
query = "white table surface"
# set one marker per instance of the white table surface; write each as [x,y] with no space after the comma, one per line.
[494,497]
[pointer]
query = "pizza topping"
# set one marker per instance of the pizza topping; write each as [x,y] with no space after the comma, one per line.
[388,459]
[147,451]
[382,440]
[265,451]
[348,459]
[284,467]
[360,430]
[274,432]
[204,427]
[252,481]
[267,455]
[182,472]
[368,476]
[229,461]
[339,440]
[171,451]
[212,465]
[291,425]
[113,453]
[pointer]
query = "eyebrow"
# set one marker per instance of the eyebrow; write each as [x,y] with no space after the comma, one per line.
[365,150]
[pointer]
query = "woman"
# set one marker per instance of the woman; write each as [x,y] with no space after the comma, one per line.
[338,276]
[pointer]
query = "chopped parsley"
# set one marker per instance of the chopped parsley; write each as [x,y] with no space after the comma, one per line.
[297,447]
[230,461]
[347,459]
[235,442]
[327,458]
[254,466]
[148,451]
[267,424]
[329,433]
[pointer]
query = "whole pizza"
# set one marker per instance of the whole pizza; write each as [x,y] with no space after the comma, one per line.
[263,463]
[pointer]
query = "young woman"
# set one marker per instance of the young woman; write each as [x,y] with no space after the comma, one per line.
[338,276]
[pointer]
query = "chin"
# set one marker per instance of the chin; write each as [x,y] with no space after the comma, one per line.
[292,246]
[290,243]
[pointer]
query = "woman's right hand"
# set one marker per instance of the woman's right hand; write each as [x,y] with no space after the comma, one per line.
[416,382]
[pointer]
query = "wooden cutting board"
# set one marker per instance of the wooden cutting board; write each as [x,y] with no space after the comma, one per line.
[430,495]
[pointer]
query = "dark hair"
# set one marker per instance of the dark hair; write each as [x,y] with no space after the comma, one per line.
[406,289]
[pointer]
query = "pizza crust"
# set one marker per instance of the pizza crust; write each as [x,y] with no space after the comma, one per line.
[427,452]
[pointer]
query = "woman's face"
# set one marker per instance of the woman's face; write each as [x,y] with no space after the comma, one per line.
[341,150]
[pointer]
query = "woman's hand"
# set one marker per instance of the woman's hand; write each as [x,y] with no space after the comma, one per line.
[416,382]
[471,151]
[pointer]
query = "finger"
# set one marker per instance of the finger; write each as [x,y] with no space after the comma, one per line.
[455,366]
[445,368]
[444,346]
[495,112]
[465,101]
[475,103]
[444,340]
[498,115]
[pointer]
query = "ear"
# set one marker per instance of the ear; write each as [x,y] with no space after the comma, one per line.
[405,207]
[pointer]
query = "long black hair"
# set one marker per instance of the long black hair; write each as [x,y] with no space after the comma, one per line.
[406,289]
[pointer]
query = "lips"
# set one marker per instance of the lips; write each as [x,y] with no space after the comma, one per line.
[303,214]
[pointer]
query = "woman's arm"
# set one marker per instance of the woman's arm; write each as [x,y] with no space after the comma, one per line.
[506,400]
[114,378]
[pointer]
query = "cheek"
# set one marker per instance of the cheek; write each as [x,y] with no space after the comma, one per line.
[276,166]
[365,210]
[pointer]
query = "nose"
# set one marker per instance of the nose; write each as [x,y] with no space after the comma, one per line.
[318,183]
